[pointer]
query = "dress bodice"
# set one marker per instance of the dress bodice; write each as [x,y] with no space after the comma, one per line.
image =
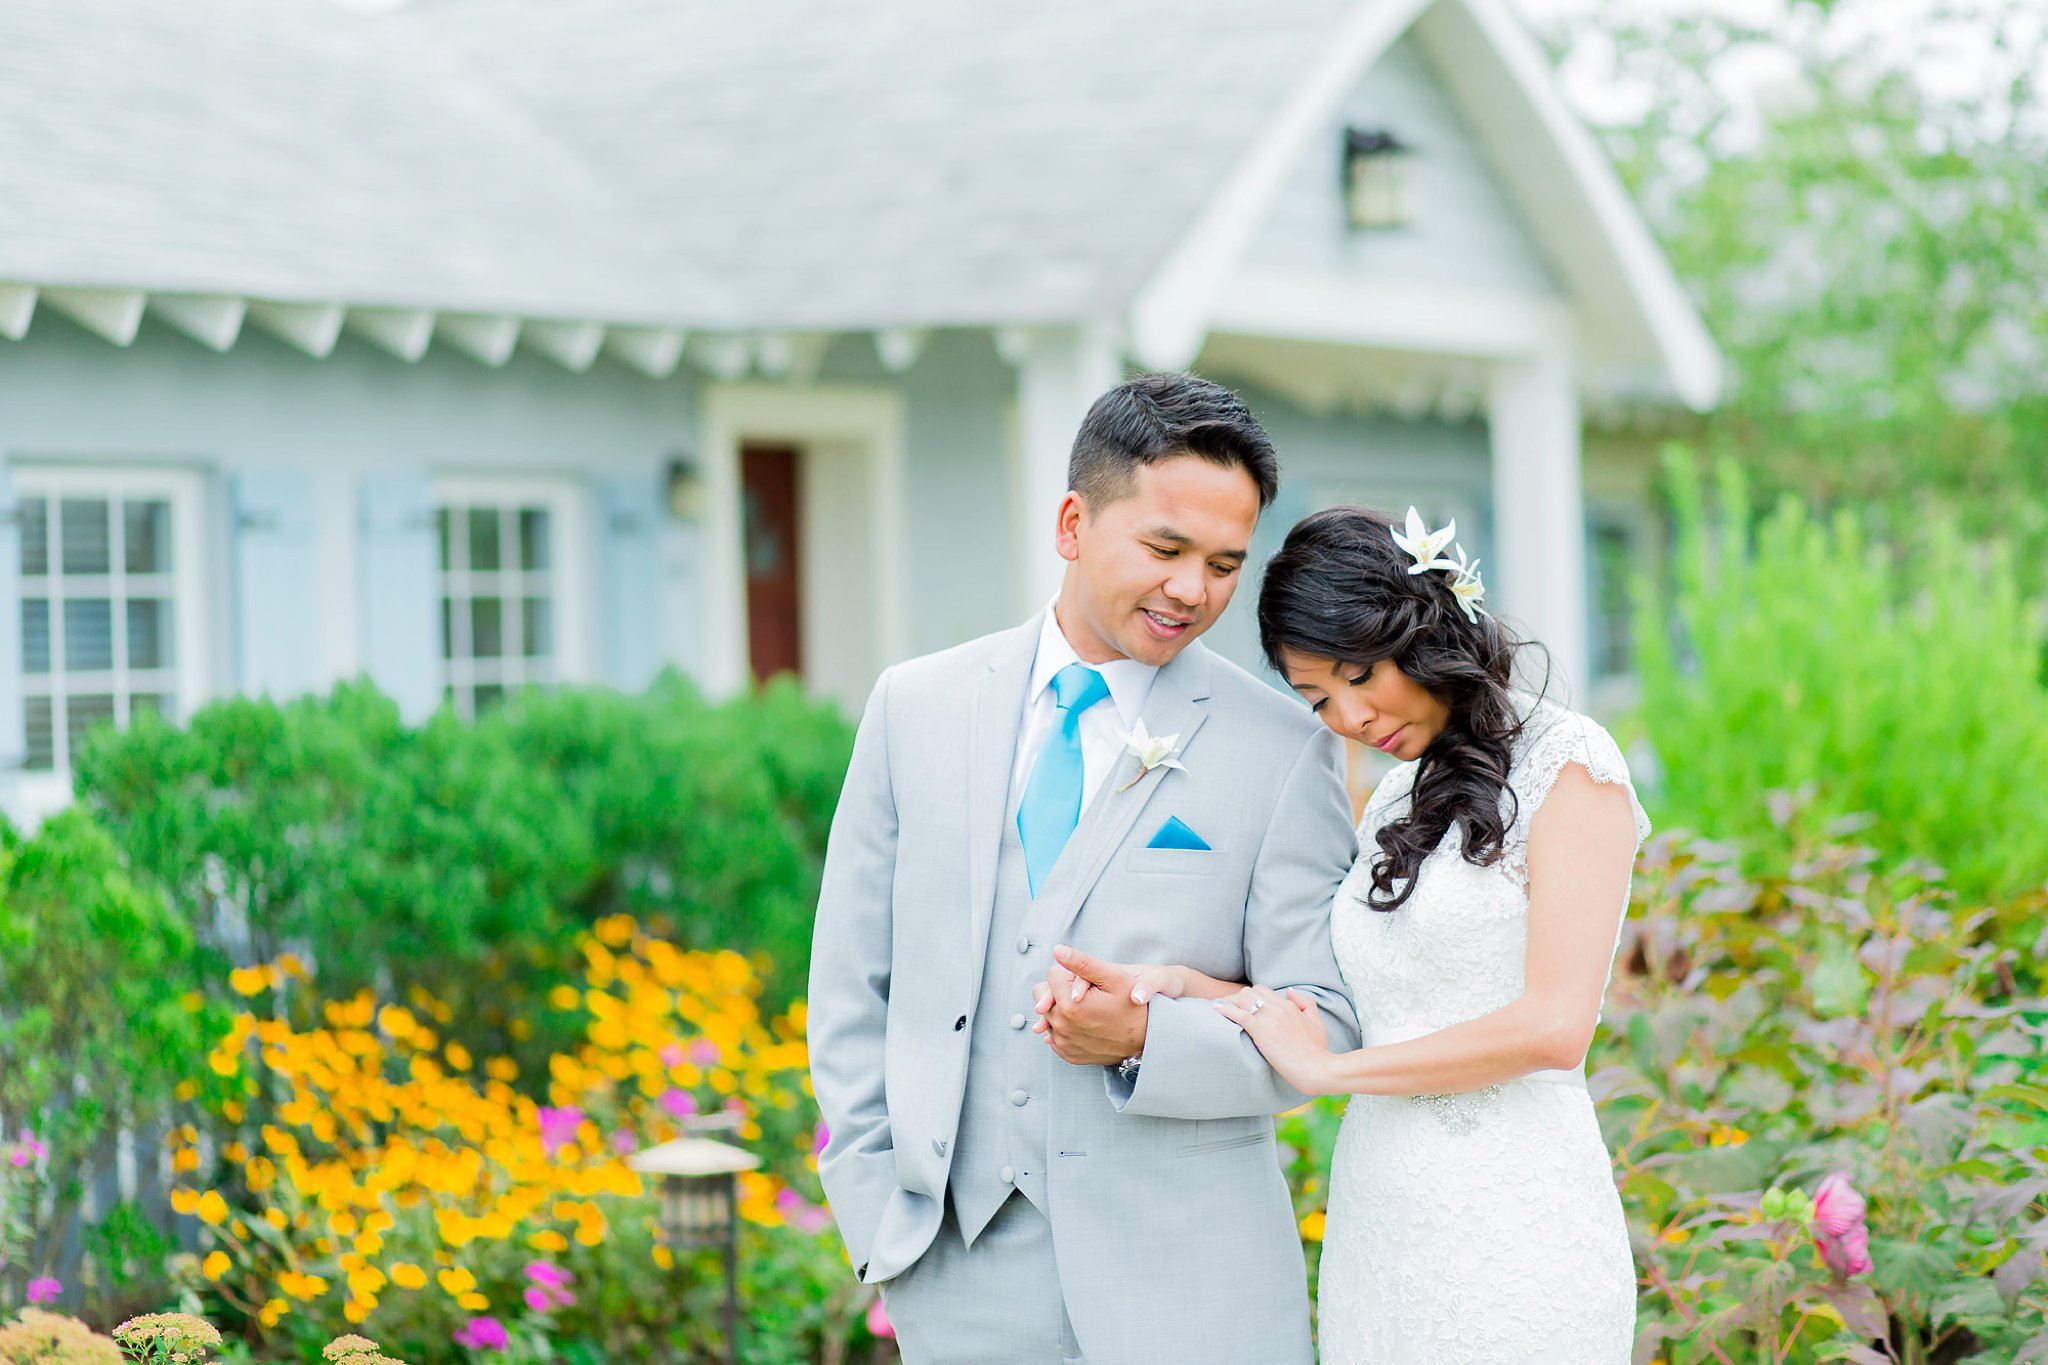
[1454,950]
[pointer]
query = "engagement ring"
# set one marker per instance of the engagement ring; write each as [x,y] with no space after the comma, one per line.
[1257,1005]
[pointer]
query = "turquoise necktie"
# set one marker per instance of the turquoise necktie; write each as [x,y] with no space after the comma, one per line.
[1052,798]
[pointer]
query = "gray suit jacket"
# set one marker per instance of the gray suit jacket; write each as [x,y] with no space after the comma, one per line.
[1175,1207]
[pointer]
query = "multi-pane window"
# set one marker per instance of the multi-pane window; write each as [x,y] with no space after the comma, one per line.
[1611,550]
[105,597]
[504,570]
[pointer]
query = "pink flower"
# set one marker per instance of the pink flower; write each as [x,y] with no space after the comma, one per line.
[824,1135]
[704,1052]
[1838,1226]
[878,1321]
[800,1213]
[537,1300]
[19,1157]
[558,1126]
[547,1274]
[44,1289]
[679,1103]
[673,1055]
[482,1334]
[624,1141]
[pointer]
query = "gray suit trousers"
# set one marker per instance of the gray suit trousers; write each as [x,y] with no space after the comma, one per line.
[995,1303]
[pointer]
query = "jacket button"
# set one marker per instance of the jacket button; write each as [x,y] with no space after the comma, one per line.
[960,1023]
[1019,1098]
[1017,1021]
[1023,943]
[1009,1175]
[939,1146]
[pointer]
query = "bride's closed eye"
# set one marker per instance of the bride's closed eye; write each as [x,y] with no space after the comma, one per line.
[1359,681]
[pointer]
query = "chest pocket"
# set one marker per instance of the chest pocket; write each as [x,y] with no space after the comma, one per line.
[1195,861]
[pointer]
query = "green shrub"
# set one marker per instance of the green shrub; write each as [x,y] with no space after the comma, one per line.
[1899,684]
[1764,1032]
[101,1024]
[463,858]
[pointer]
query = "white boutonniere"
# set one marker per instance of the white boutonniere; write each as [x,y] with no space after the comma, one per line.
[1151,751]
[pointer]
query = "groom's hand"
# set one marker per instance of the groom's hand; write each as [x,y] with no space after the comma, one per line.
[1086,1013]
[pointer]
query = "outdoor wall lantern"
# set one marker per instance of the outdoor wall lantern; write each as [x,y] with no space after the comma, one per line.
[700,1207]
[685,486]
[1382,179]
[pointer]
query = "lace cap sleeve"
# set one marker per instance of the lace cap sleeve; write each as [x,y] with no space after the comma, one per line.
[1554,738]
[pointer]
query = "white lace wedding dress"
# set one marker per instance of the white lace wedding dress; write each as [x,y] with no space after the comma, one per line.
[1481,1228]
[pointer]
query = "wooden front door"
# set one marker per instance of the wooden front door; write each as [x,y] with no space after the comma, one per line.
[768,500]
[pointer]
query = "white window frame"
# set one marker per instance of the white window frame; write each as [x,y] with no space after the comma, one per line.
[183,584]
[567,504]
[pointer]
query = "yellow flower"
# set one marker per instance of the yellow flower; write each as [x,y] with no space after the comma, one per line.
[215,1265]
[457,1281]
[1312,1226]
[301,1286]
[1722,1135]
[272,1311]
[185,1199]
[663,1257]
[406,1275]
[212,1208]
[475,1303]
[547,1239]
[248,980]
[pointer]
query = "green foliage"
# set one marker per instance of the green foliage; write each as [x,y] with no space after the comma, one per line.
[458,857]
[100,1025]
[1765,1031]
[1866,245]
[1900,687]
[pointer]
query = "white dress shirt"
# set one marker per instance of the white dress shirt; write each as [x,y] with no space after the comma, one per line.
[1103,725]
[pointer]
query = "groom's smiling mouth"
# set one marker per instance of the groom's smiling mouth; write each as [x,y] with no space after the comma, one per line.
[1164,626]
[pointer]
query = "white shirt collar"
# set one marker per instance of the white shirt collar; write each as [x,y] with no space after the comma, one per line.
[1130,682]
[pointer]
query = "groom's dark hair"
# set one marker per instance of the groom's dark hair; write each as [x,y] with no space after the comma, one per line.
[1158,417]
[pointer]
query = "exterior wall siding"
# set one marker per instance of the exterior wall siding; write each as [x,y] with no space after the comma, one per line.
[303,462]
[1468,237]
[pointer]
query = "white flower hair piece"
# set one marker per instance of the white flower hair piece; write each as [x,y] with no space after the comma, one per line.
[1468,588]
[1425,545]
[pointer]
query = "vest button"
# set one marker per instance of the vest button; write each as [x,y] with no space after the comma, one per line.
[1017,1021]
[1009,1175]
[960,1023]
[1023,943]
[1019,1098]
[939,1146]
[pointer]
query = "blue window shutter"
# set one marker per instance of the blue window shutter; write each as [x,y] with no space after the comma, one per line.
[401,591]
[277,596]
[13,744]
[630,513]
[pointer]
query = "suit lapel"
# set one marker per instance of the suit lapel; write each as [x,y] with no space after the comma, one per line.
[1175,707]
[998,714]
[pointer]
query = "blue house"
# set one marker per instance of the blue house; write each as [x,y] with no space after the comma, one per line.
[480,344]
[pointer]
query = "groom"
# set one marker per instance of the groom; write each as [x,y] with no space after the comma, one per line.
[1115,1197]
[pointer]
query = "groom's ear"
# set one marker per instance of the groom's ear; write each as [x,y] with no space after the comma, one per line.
[1067,534]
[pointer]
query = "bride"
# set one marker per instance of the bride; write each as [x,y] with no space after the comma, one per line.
[1473,1218]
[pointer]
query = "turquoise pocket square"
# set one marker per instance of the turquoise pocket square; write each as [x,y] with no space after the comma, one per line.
[1174,834]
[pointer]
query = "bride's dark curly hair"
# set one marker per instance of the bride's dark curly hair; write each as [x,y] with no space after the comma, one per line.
[1340,588]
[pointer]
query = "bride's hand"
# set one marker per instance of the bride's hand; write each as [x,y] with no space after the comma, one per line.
[1170,983]
[1289,1031]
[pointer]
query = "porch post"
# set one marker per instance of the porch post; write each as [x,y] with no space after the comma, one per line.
[1538,575]
[1060,372]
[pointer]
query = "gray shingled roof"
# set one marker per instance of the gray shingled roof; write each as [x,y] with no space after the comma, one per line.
[290,149]
[793,163]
